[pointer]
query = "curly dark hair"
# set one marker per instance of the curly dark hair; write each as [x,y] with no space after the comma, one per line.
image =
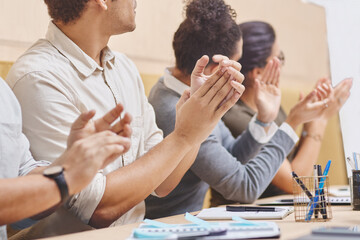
[209,28]
[258,40]
[65,11]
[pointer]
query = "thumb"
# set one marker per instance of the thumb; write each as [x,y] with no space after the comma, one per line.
[184,97]
[257,85]
[200,66]
[301,96]
[82,120]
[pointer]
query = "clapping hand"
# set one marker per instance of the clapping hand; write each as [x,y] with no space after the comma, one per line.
[338,96]
[312,106]
[267,92]
[84,127]
[198,78]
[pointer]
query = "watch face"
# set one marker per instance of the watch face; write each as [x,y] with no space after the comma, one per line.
[53,170]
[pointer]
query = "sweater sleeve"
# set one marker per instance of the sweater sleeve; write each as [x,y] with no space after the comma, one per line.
[235,181]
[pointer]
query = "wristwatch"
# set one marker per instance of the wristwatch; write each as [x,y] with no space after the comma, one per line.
[57,174]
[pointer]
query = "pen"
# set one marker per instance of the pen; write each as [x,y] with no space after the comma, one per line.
[321,186]
[302,185]
[322,197]
[252,209]
[316,186]
[355,161]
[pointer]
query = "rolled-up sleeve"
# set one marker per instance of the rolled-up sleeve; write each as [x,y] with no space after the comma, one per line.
[84,203]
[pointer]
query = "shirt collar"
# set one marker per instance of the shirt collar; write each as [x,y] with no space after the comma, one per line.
[81,61]
[173,83]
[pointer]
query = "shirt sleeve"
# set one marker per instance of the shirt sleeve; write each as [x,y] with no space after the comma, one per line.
[84,203]
[289,131]
[235,181]
[259,133]
[243,148]
[28,163]
[48,113]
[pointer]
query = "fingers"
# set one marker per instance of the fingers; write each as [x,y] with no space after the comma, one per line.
[116,150]
[236,75]
[219,91]
[266,73]
[343,88]
[217,58]
[323,91]
[275,72]
[301,96]
[82,120]
[277,77]
[231,63]
[239,88]
[200,66]
[123,126]
[342,91]
[310,97]
[323,80]
[105,122]
[210,82]
[257,86]
[272,70]
[229,103]
[224,61]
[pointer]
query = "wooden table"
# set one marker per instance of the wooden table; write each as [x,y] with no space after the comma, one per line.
[342,216]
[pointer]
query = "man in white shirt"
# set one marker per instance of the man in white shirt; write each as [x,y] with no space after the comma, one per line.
[73,70]
[86,149]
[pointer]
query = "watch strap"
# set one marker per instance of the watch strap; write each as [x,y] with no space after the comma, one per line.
[62,185]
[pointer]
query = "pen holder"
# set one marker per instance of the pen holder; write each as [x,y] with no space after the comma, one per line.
[311,200]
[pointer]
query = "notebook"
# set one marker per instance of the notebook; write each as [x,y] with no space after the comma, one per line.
[290,201]
[217,230]
[220,213]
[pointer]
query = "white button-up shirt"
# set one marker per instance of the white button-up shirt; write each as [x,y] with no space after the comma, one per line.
[15,157]
[55,81]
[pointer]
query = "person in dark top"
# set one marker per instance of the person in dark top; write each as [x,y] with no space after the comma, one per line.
[259,46]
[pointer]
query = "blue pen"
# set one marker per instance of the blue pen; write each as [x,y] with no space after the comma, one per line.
[321,186]
[355,160]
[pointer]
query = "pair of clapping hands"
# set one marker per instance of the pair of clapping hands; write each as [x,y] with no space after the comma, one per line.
[321,103]
[93,144]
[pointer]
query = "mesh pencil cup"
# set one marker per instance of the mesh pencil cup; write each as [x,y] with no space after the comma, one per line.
[311,200]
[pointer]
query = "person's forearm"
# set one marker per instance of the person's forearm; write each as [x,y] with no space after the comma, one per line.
[309,149]
[128,186]
[245,147]
[173,180]
[306,156]
[26,196]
